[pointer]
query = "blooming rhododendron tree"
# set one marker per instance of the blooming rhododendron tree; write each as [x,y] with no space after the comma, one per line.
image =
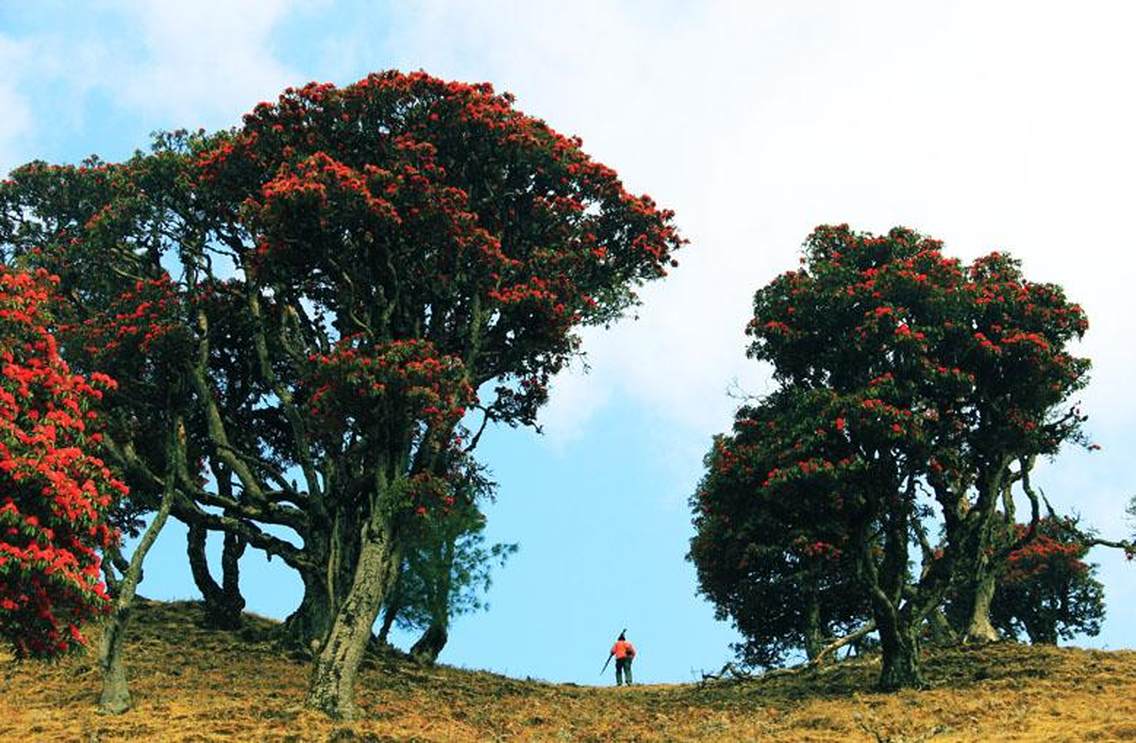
[56,493]
[352,274]
[123,317]
[901,371]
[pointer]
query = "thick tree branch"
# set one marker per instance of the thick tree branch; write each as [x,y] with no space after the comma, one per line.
[214,421]
[1026,464]
[287,490]
[186,510]
[190,512]
[264,510]
[848,639]
[301,446]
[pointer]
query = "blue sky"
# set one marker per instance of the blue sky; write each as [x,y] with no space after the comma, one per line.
[1002,126]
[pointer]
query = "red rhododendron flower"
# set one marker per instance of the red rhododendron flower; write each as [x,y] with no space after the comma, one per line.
[54,492]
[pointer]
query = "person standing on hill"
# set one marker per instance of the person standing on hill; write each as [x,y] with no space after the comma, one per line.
[624,653]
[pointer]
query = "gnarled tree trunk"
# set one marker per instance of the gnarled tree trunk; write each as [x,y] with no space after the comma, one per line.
[430,644]
[814,633]
[900,648]
[115,695]
[309,624]
[391,610]
[325,589]
[332,684]
[898,623]
[223,603]
[979,551]
[941,631]
[976,606]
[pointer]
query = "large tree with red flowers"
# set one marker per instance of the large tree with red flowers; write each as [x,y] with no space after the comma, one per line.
[350,278]
[55,492]
[906,374]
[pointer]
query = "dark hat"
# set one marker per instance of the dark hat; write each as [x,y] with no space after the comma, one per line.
[621,637]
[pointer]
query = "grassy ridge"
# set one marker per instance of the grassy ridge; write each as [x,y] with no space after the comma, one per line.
[194,684]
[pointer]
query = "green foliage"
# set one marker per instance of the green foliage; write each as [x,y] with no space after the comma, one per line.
[1047,590]
[447,570]
[777,566]
[899,370]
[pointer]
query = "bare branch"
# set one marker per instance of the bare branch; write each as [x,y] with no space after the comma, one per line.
[190,512]
[848,639]
[480,430]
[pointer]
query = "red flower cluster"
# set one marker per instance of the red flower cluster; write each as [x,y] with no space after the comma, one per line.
[953,338]
[819,549]
[136,324]
[325,165]
[1044,553]
[54,493]
[399,378]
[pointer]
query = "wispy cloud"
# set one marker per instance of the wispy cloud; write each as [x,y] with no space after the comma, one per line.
[991,127]
[204,60]
[163,65]
[15,113]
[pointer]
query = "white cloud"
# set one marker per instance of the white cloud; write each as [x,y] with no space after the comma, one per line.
[206,62]
[15,113]
[165,65]
[987,126]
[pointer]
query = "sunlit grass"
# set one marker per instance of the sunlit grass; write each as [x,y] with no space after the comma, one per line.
[195,684]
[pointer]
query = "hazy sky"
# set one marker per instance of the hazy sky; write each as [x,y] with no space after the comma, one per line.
[987,125]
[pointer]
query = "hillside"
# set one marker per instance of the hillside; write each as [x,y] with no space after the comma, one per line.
[194,684]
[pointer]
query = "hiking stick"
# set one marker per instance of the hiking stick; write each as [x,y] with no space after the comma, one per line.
[611,655]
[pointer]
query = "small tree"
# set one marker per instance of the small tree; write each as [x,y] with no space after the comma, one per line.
[447,571]
[446,578]
[1047,590]
[55,492]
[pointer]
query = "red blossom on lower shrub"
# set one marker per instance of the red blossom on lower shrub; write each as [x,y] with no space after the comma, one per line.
[54,492]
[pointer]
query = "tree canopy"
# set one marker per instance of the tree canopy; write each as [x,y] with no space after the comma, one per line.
[778,567]
[902,372]
[330,292]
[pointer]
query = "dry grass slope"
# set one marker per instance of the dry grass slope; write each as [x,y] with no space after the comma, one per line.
[194,684]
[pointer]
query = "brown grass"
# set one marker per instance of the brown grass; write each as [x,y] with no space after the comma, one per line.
[194,684]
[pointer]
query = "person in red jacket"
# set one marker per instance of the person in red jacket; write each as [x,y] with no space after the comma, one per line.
[624,653]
